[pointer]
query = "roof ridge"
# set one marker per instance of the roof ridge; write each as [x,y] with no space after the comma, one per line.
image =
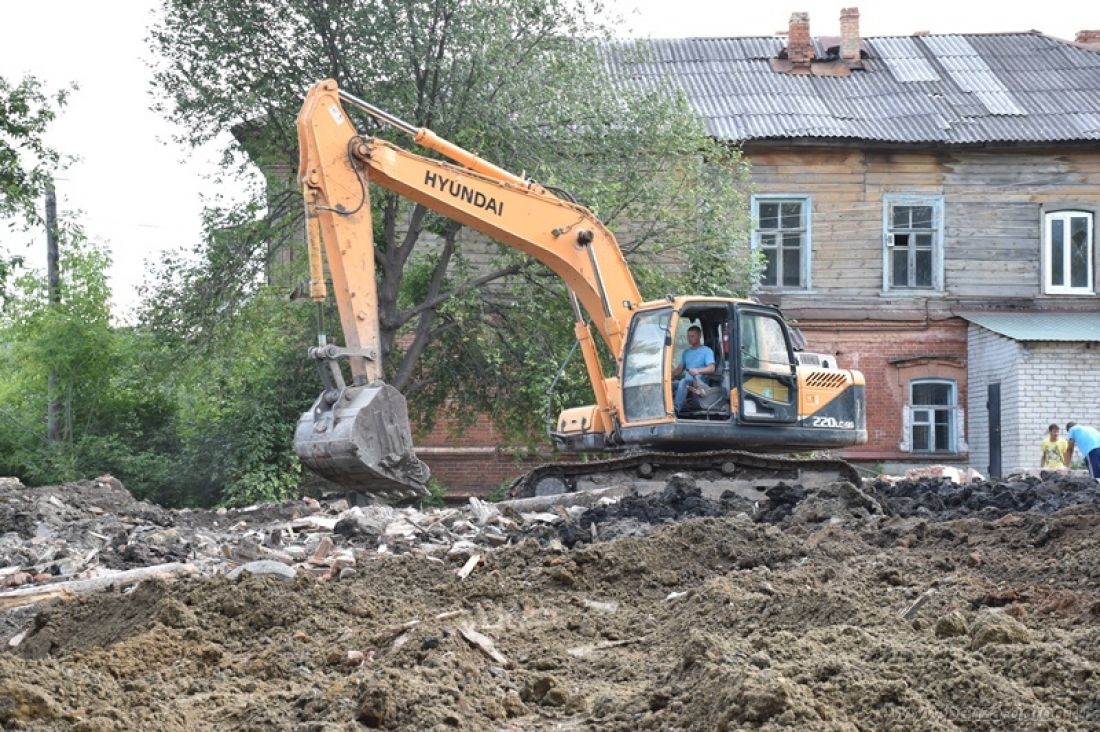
[781,37]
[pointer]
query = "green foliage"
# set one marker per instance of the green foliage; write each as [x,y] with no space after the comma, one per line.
[197,403]
[436,495]
[110,417]
[26,161]
[240,396]
[182,420]
[499,493]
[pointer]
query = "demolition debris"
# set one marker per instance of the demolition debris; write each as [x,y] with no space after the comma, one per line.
[943,598]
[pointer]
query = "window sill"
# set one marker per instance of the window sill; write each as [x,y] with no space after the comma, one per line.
[911,293]
[1078,292]
[949,455]
[784,291]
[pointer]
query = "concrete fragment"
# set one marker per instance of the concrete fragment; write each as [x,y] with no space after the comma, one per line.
[264,567]
[461,550]
[603,607]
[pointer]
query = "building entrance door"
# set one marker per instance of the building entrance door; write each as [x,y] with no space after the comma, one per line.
[993,406]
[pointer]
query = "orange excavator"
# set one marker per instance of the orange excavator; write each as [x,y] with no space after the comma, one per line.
[758,398]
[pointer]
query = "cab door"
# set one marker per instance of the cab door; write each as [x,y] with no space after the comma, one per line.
[766,369]
[644,375]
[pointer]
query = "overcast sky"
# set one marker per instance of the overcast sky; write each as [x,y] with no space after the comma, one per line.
[142,194]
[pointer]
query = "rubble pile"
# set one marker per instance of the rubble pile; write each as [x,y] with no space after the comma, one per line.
[96,528]
[88,529]
[915,603]
[943,498]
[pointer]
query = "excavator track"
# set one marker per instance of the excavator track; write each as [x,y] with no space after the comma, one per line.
[724,469]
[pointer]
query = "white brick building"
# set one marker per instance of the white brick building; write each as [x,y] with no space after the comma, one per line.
[1026,371]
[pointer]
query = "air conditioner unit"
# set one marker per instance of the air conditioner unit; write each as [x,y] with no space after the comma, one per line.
[821,360]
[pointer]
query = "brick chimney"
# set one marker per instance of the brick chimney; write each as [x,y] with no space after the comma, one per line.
[849,35]
[1090,39]
[800,47]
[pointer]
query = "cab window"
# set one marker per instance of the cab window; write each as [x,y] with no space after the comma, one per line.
[644,366]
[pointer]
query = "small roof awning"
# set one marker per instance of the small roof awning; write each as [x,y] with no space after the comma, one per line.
[1078,327]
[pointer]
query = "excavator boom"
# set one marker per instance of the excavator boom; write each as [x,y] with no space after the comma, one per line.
[358,434]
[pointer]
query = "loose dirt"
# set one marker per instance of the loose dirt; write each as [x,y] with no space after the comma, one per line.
[916,606]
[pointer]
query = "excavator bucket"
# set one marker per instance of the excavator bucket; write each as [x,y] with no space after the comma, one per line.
[359,438]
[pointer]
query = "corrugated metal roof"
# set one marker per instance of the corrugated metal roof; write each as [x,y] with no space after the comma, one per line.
[1040,326]
[948,89]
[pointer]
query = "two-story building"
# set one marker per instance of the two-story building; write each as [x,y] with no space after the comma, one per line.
[927,206]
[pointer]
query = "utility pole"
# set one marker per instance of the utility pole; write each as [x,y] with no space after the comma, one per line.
[53,289]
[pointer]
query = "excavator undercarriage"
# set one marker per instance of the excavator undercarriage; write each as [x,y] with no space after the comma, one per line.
[714,471]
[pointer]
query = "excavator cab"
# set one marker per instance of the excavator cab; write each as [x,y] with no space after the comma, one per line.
[708,400]
[759,396]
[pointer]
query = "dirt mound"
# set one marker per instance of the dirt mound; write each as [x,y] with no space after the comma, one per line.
[840,608]
[706,623]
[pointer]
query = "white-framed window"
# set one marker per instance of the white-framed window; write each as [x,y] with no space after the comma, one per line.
[933,419]
[912,242]
[1067,252]
[782,234]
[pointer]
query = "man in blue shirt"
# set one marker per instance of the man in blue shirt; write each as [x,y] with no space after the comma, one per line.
[698,361]
[1088,440]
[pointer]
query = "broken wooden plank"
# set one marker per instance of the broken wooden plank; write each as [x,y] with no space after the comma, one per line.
[40,593]
[582,651]
[450,614]
[911,613]
[485,512]
[541,504]
[324,548]
[469,566]
[484,644]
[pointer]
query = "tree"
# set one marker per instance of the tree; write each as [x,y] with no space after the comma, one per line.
[520,83]
[26,161]
[114,412]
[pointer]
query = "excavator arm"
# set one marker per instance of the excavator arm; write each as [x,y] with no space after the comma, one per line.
[340,437]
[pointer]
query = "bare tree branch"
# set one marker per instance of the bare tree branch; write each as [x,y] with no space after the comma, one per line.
[406,315]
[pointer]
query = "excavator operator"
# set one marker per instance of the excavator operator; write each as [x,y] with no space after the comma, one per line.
[697,360]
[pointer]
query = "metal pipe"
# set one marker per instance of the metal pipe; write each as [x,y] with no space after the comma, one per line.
[577,314]
[599,280]
[379,114]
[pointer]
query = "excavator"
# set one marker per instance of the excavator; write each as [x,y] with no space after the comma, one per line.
[763,397]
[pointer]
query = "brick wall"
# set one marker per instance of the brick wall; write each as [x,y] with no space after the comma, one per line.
[476,461]
[1041,383]
[891,355]
[1059,382]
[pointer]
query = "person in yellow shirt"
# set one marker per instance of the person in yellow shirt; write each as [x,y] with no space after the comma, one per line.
[1054,450]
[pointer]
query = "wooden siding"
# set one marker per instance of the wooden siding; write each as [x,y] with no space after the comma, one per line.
[993,204]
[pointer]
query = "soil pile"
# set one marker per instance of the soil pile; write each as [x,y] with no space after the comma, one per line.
[701,615]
